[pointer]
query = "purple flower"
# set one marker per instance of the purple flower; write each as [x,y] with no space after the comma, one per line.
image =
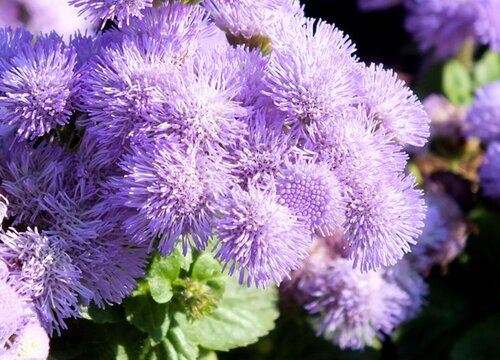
[37,88]
[44,272]
[313,194]
[248,19]
[355,147]
[12,314]
[311,75]
[189,26]
[28,175]
[121,11]
[10,42]
[483,119]
[259,238]
[406,277]
[32,342]
[122,88]
[172,191]
[383,218]
[353,308]
[394,106]
[488,23]
[200,108]
[441,25]
[259,156]
[489,173]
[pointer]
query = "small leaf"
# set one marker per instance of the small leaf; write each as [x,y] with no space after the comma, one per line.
[457,83]
[206,267]
[487,69]
[164,270]
[147,315]
[244,315]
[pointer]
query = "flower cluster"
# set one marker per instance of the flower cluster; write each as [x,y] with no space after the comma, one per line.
[184,123]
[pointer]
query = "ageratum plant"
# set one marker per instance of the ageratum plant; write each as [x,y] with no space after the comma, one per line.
[238,128]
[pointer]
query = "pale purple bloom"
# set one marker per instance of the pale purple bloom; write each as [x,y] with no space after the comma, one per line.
[353,309]
[258,237]
[247,18]
[261,153]
[200,107]
[447,119]
[407,278]
[12,314]
[483,120]
[383,218]
[37,88]
[488,23]
[121,11]
[311,76]
[313,194]
[28,175]
[394,106]
[189,26]
[489,173]
[444,234]
[122,88]
[172,191]
[355,147]
[442,25]
[45,273]
[32,342]
[10,43]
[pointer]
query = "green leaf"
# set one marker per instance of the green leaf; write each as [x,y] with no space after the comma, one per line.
[457,83]
[207,269]
[146,314]
[163,271]
[487,69]
[183,343]
[244,315]
[480,342]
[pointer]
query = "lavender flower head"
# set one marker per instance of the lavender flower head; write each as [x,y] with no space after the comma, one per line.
[353,309]
[172,191]
[102,10]
[12,314]
[444,234]
[247,19]
[297,84]
[313,194]
[383,218]
[44,273]
[441,25]
[483,119]
[488,24]
[394,106]
[37,87]
[489,173]
[258,237]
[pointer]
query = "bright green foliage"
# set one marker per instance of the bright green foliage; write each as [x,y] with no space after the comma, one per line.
[457,82]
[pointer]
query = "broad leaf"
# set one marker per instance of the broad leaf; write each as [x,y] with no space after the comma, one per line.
[244,315]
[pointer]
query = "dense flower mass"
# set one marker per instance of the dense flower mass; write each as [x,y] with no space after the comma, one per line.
[238,124]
